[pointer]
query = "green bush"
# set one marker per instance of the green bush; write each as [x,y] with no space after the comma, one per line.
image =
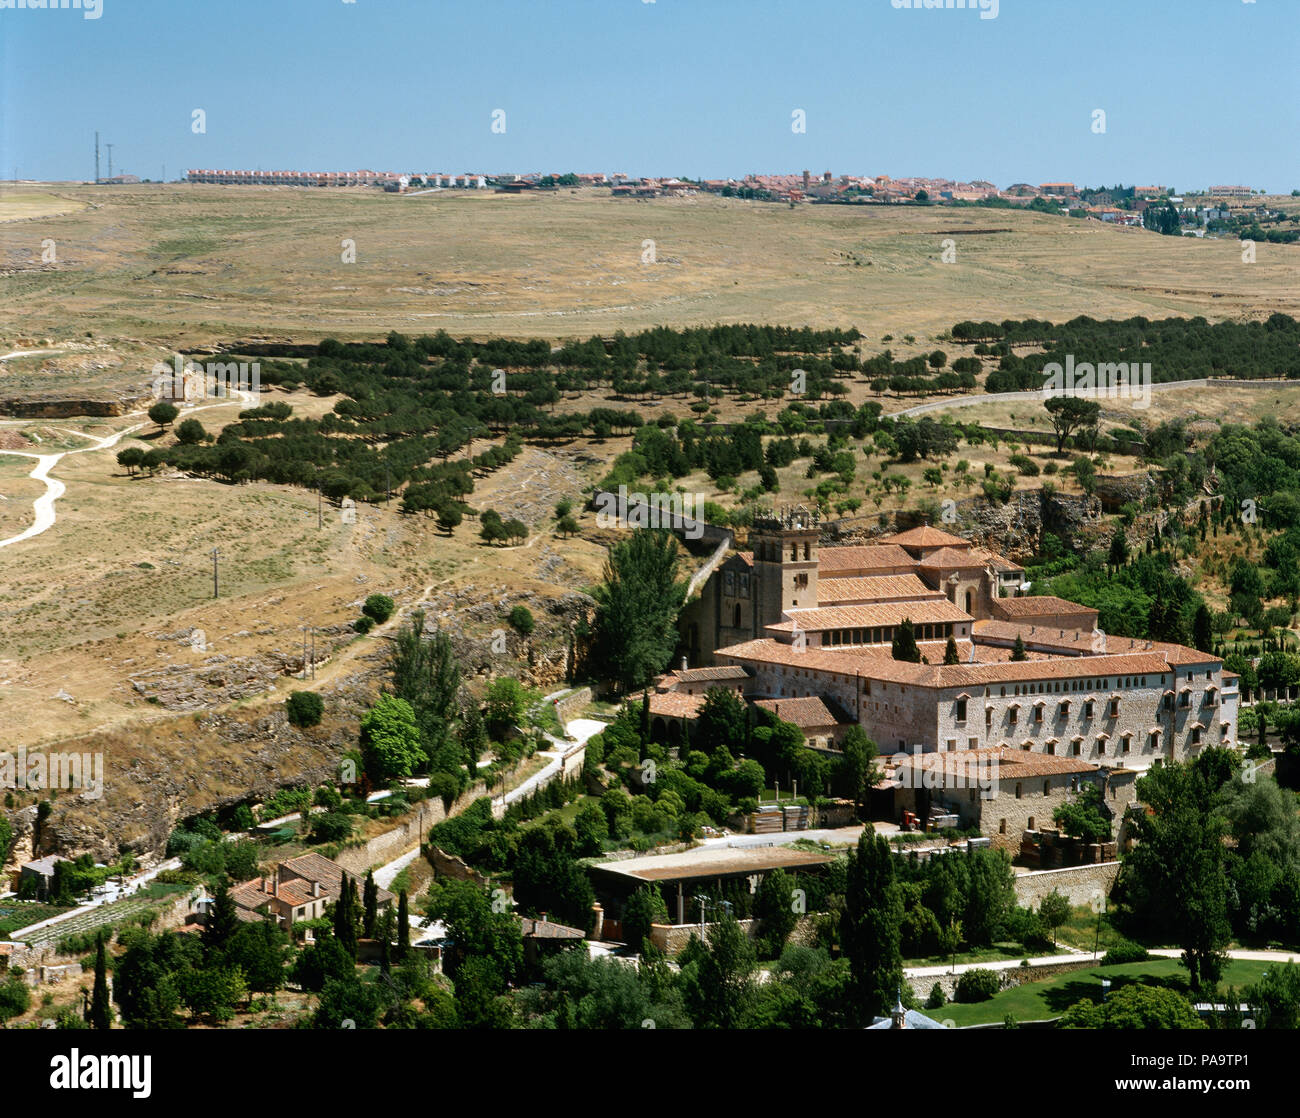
[521,620]
[304,708]
[936,1000]
[1126,951]
[363,625]
[978,985]
[379,607]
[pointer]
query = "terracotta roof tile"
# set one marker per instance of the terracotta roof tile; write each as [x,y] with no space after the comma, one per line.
[926,612]
[863,557]
[876,588]
[926,536]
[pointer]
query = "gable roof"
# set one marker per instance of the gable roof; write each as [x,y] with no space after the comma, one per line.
[925,536]
[807,713]
[1038,606]
[861,557]
[860,589]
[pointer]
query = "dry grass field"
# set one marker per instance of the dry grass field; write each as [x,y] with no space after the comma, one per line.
[180,265]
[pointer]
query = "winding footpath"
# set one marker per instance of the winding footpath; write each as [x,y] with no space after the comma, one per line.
[43,506]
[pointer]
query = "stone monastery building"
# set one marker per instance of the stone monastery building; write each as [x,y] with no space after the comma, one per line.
[797,621]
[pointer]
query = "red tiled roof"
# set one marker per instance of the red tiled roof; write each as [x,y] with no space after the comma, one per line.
[673,704]
[866,665]
[946,557]
[1038,606]
[926,536]
[926,612]
[864,557]
[807,713]
[874,588]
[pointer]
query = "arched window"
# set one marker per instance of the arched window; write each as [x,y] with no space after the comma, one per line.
[970,600]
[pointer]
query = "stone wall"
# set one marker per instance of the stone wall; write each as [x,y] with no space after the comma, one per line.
[1079,884]
[407,833]
[672,939]
[572,704]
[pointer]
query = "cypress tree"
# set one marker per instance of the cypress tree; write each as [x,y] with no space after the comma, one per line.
[371,905]
[100,1015]
[1018,652]
[950,652]
[904,644]
[403,927]
[222,921]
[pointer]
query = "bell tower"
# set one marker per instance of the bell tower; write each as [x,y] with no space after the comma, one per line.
[785,562]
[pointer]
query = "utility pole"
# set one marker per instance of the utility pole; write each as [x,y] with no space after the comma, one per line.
[304,650]
[97,158]
[110,160]
[313,652]
[216,554]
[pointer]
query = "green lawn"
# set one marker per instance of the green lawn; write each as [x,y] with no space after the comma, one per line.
[1038,1001]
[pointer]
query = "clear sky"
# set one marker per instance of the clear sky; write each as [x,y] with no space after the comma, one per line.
[1196,92]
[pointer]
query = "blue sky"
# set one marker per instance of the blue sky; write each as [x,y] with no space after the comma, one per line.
[1196,92]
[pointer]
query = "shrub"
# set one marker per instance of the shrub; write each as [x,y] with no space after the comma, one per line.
[521,620]
[379,607]
[304,708]
[1126,951]
[363,625]
[978,985]
[936,1000]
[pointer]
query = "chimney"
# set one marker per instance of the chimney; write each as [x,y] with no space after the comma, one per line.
[684,667]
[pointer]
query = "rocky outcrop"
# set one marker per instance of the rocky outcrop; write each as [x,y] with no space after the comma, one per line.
[43,407]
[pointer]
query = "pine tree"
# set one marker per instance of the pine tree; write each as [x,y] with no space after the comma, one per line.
[371,905]
[1018,652]
[950,652]
[403,927]
[100,1015]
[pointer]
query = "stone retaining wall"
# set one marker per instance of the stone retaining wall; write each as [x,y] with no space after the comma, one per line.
[1080,884]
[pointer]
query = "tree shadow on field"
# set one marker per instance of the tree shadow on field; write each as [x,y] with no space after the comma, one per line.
[1060,998]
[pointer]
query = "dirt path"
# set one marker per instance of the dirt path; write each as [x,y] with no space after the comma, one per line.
[43,506]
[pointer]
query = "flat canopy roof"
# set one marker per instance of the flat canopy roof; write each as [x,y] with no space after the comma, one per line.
[714,861]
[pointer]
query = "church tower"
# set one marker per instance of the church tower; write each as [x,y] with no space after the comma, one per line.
[785,562]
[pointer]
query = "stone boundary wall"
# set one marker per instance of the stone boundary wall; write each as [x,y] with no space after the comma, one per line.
[407,833]
[44,964]
[572,704]
[1078,883]
[1012,976]
[672,939]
